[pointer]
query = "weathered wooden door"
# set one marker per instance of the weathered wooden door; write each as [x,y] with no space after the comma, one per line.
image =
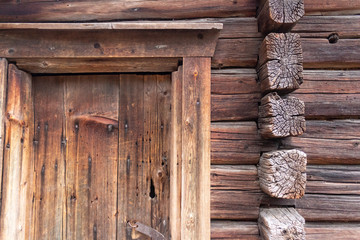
[101,153]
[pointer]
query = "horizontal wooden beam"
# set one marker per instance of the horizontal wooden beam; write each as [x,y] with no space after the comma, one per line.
[85,65]
[234,230]
[103,44]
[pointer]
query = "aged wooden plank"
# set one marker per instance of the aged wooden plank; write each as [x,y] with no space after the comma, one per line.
[84,65]
[280,65]
[281,224]
[195,205]
[18,165]
[318,53]
[237,143]
[279,16]
[126,25]
[50,157]
[281,117]
[234,177]
[53,11]
[91,167]
[332,7]
[234,230]
[282,174]
[3,89]
[176,153]
[336,231]
[235,97]
[326,207]
[106,44]
[131,130]
[333,179]
[322,137]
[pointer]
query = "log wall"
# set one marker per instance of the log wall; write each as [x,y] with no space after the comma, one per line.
[330,36]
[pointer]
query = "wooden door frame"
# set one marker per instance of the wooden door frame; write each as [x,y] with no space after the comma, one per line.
[183,48]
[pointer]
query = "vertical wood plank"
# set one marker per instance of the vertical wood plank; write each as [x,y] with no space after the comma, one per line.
[3,86]
[17,195]
[92,155]
[131,145]
[49,151]
[175,154]
[159,165]
[195,204]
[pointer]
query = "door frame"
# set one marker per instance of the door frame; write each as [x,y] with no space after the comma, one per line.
[182,48]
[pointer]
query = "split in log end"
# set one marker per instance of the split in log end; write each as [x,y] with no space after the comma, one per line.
[279,15]
[282,174]
[280,118]
[280,65]
[281,224]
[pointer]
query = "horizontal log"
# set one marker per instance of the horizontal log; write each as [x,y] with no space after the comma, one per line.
[328,142]
[332,179]
[333,231]
[237,143]
[314,230]
[235,96]
[91,10]
[317,53]
[234,230]
[307,27]
[236,194]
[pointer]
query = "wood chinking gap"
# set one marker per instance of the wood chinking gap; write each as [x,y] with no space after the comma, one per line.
[282,174]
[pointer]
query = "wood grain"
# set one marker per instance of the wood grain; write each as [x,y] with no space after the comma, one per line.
[282,174]
[281,224]
[50,158]
[280,65]
[92,154]
[17,173]
[234,230]
[195,205]
[280,118]
[3,87]
[279,16]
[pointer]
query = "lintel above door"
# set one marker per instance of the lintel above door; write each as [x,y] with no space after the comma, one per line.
[105,47]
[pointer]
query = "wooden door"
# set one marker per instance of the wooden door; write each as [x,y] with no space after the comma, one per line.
[101,153]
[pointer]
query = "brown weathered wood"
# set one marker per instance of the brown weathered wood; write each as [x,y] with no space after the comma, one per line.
[322,137]
[195,204]
[237,143]
[3,87]
[282,174]
[320,92]
[280,63]
[50,158]
[279,15]
[318,53]
[142,25]
[50,11]
[234,230]
[281,223]
[18,165]
[327,207]
[281,117]
[106,44]
[336,231]
[175,154]
[333,179]
[91,155]
[69,65]
[332,7]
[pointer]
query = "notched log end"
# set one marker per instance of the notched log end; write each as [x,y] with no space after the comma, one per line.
[281,117]
[280,63]
[282,174]
[281,224]
[280,15]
